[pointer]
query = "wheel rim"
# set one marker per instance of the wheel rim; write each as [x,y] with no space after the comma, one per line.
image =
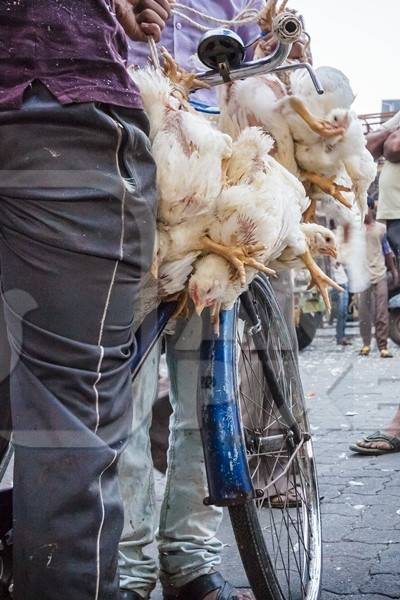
[291,533]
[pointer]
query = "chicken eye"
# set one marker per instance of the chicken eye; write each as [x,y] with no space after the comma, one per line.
[327,239]
[209,291]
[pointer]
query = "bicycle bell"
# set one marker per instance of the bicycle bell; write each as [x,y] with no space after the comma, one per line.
[221,50]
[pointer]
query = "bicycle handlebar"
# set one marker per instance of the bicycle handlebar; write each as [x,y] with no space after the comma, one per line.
[288,29]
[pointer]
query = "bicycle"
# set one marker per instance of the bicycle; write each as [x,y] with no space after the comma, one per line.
[252,416]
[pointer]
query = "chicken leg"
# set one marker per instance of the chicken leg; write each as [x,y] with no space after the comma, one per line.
[319,279]
[239,257]
[323,128]
[182,304]
[183,81]
[309,215]
[328,185]
[268,14]
[215,310]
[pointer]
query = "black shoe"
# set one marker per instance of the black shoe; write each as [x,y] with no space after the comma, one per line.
[129,595]
[344,342]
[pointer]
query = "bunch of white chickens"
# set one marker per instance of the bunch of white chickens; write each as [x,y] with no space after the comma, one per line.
[232,199]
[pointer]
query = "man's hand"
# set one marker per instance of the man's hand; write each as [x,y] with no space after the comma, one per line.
[375,142]
[391,147]
[143,18]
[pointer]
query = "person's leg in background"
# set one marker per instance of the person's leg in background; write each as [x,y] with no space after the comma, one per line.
[284,294]
[382,317]
[334,297]
[365,320]
[138,571]
[393,234]
[70,242]
[342,312]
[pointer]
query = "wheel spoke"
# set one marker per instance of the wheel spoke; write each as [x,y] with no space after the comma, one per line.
[281,471]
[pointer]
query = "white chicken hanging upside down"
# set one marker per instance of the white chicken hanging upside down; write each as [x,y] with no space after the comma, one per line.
[191,156]
[323,162]
[262,203]
[291,120]
[226,210]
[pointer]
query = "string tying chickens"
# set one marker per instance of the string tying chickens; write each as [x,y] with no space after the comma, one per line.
[244,17]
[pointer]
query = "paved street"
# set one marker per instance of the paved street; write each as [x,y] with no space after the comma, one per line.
[349,395]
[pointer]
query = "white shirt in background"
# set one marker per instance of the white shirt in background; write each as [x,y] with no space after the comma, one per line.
[389,182]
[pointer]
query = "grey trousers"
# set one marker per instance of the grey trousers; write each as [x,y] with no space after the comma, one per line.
[76,234]
[373,310]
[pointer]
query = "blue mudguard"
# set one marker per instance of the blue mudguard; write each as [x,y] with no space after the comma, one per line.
[228,474]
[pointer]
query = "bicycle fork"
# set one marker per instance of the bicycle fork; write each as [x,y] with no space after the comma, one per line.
[228,475]
[229,480]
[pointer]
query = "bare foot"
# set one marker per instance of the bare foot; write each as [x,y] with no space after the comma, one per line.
[374,445]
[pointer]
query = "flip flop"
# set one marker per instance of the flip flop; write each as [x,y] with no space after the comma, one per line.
[378,436]
[200,587]
[287,499]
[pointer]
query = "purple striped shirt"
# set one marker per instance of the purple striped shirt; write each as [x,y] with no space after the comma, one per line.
[76,48]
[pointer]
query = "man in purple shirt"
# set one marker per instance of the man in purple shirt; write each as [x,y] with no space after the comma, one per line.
[77,208]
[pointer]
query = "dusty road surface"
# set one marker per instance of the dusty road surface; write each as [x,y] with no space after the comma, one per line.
[347,396]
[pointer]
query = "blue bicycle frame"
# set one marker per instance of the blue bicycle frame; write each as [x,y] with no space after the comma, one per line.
[228,475]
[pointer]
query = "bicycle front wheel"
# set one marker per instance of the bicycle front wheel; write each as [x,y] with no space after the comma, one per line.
[279,533]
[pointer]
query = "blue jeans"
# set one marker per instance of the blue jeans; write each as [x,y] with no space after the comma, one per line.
[186,537]
[341,302]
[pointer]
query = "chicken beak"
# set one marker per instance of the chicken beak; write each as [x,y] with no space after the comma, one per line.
[329,252]
[199,309]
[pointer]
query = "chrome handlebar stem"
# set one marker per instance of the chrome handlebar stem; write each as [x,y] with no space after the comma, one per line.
[287,28]
[251,68]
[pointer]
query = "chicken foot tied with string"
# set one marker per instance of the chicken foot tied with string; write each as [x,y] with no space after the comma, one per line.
[321,127]
[269,13]
[329,186]
[183,81]
[319,279]
[239,257]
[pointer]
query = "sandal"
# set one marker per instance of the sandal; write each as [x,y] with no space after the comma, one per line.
[365,350]
[287,499]
[203,585]
[378,436]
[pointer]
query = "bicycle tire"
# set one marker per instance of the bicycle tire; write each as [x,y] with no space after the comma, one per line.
[6,454]
[261,559]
